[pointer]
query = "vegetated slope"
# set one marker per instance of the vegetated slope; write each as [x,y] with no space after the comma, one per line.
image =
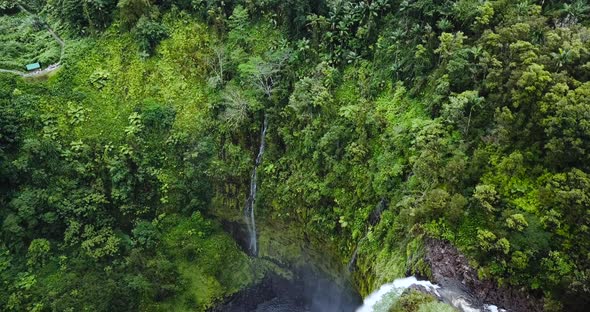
[25,40]
[468,118]
[103,177]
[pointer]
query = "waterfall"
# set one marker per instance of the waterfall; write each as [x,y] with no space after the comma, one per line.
[352,261]
[383,299]
[251,201]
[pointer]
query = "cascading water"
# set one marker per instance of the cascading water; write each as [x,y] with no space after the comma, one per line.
[352,261]
[251,201]
[383,299]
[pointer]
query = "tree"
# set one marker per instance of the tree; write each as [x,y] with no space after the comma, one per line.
[566,124]
[264,73]
[81,16]
[130,11]
[454,112]
[517,222]
[238,107]
[38,252]
[7,5]
[99,243]
[149,33]
[217,62]
[146,235]
[486,196]
[486,239]
[574,12]
[10,125]
[98,13]
[311,95]
[532,84]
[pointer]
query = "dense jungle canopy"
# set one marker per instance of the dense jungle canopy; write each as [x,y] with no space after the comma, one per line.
[390,122]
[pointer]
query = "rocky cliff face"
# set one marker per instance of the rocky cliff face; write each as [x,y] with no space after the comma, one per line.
[451,269]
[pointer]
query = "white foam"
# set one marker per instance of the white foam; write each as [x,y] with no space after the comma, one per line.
[463,305]
[398,285]
[492,308]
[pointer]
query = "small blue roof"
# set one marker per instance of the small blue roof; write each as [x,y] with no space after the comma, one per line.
[33,66]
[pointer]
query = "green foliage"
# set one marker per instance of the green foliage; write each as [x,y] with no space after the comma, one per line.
[517,222]
[99,243]
[7,5]
[412,301]
[486,239]
[38,252]
[157,118]
[565,123]
[149,34]
[204,256]
[24,40]
[104,147]
[82,17]
[131,11]
[435,307]
[486,197]
[146,234]
[11,123]
[462,120]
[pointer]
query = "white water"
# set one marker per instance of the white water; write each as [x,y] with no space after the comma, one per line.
[251,201]
[352,261]
[396,288]
[492,308]
[383,298]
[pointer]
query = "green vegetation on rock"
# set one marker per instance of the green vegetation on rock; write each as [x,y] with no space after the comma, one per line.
[389,122]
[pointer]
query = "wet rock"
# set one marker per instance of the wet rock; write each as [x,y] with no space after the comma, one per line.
[266,291]
[239,232]
[451,270]
[309,291]
[375,216]
[424,290]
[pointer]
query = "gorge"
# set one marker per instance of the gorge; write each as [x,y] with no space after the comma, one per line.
[295,155]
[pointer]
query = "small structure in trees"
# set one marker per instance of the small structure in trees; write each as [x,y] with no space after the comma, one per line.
[33,66]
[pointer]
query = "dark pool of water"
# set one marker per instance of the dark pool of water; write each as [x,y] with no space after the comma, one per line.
[309,292]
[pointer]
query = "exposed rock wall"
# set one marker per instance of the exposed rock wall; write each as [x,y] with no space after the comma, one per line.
[451,269]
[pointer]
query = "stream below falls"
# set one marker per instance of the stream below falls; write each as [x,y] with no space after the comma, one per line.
[312,292]
[308,292]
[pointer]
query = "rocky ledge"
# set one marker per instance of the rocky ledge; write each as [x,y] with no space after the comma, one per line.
[451,270]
